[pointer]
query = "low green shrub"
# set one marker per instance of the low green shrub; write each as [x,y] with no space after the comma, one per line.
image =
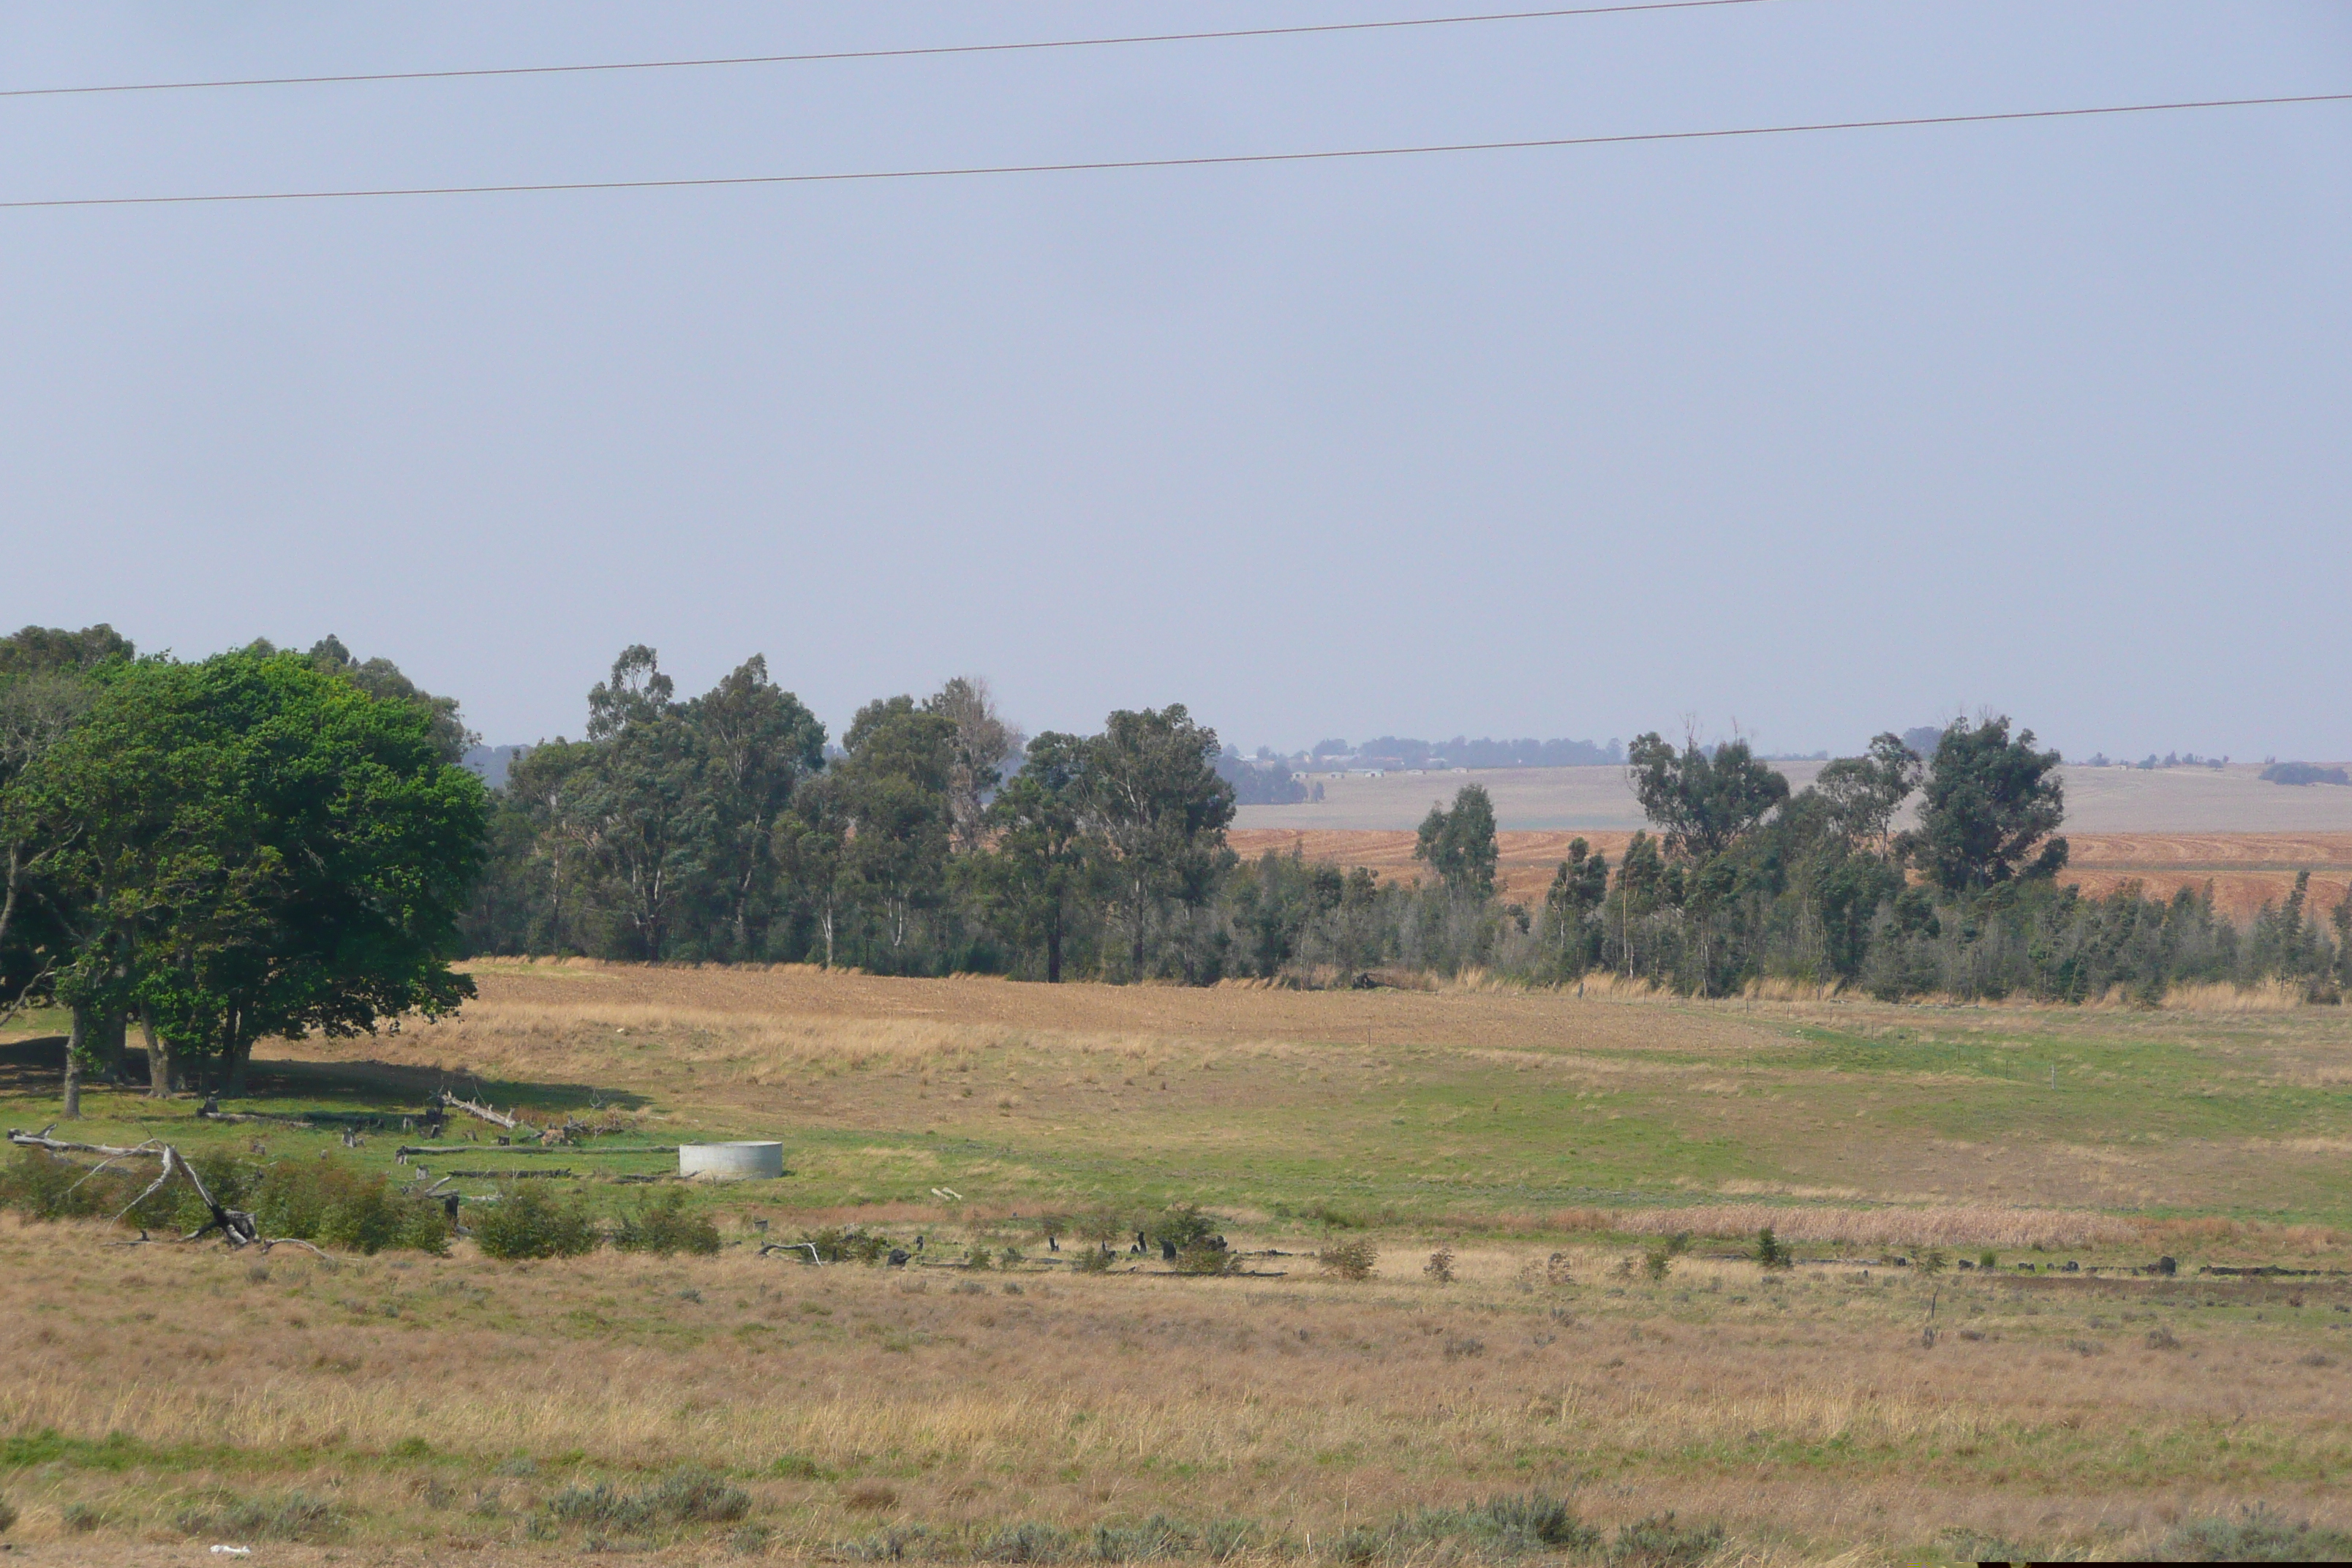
[688,1496]
[1026,1541]
[527,1221]
[1659,1542]
[39,1185]
[324,1201]
[1499,1528]
[1180,1226]
[1348,1259]
[1159,1536]
[2260,1534]
[297,1516]
[1206,1258]
[665,1226]
[847,1244]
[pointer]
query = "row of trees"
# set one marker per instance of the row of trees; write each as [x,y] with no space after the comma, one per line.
[717,828]
[268,843]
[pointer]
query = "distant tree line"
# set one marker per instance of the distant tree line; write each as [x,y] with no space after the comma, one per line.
[1403,751]
[717,828]
[1744,881]
[270,842]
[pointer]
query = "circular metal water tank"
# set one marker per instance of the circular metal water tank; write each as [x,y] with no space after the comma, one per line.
[731,1162]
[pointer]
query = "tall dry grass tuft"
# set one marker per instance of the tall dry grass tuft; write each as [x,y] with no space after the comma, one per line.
[2267,996]
[1978,1225]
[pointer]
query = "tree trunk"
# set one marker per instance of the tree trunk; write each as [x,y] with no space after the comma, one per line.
[237,1053]
[1137,973]
[163,1069]
[15,876]
[106,1049]
[75,1043]
[1053,949]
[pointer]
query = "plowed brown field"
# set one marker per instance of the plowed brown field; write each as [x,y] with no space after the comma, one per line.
[2246,870]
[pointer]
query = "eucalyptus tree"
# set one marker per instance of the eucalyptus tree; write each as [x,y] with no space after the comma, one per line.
[1036,874]
[1459,845]
[1702,804]
[1864,792]
[1988,811]
[757,744]
[984,745]
[1156,813]
[643,815]
[889,792]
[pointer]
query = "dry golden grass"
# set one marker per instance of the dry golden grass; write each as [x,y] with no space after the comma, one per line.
[2080,1413]
[1804,1412]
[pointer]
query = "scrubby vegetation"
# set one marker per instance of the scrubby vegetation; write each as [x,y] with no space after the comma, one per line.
[325,1201]
[530,1221]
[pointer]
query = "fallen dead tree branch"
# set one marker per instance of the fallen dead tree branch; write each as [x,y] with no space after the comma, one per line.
[42,1140]
[238,1227]
[475,1109]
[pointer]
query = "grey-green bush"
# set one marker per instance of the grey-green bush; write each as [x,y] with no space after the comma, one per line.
[665,1226]
[527,1221]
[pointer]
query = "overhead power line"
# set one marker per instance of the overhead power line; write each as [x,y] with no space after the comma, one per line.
[1212,161]
[1029,45]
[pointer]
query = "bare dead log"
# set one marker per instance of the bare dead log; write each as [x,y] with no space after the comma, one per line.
[407,1148]
[475,1109]
[768,1246]
[238,1227]
[42,1140]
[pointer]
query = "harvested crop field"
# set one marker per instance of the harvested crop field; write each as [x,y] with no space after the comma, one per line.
[2193,800]
[2244,870]
[1594,1168]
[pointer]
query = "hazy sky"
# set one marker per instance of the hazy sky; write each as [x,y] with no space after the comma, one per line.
[1816,435]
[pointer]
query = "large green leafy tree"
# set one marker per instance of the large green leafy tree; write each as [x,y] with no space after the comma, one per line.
[1990,806]
[379,677]
[1156,813]
[48,682]
[1037,874]
[266,850]
[1459,845]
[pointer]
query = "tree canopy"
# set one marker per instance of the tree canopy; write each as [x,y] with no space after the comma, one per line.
[260,848]
[1989,802]
[1459,845]
[1704,802]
